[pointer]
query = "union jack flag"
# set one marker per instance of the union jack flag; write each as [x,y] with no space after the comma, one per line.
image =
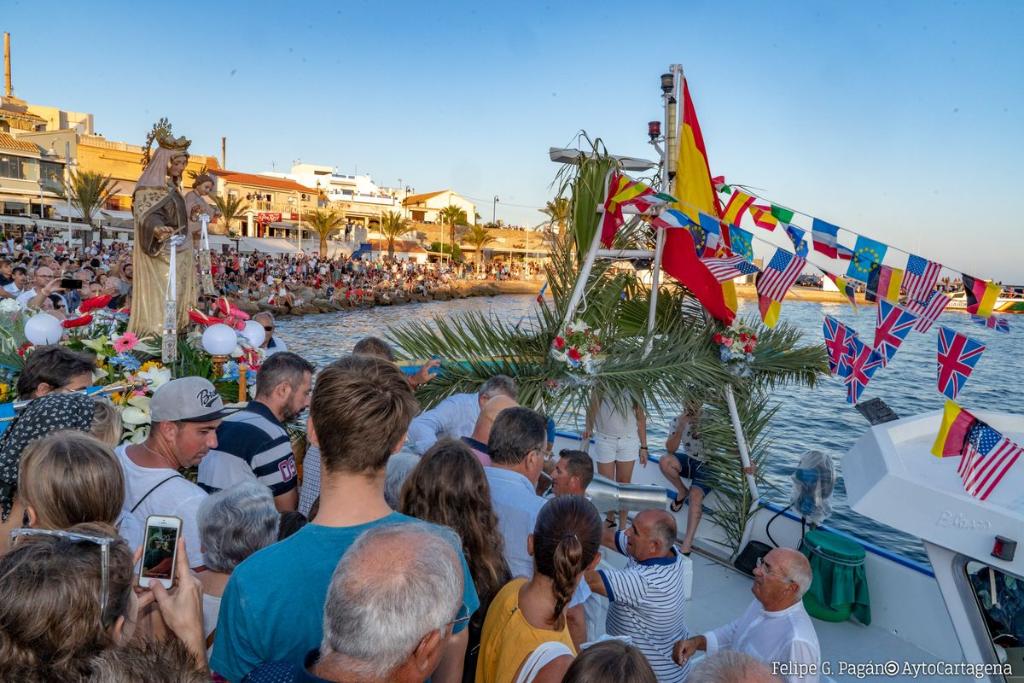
[929,311]
[729,267]
[957,356]
[987,457]
[894,323]
[779,276]
[838,338]
[920,278]
[993,322]
[860,366]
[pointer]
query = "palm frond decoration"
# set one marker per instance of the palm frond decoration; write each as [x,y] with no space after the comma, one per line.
[681,364]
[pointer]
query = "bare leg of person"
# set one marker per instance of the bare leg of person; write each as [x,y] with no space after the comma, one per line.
[692,518]
[623,475]
[671,468]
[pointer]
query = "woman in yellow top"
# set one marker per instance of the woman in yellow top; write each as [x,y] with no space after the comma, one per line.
[528,613]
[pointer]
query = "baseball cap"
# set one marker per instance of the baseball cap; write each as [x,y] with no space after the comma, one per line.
[188,399]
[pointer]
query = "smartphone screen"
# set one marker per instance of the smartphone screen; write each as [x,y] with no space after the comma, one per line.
[70,283]
[158,553]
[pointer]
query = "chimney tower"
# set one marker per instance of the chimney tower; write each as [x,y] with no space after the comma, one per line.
[8,88]
[223,152]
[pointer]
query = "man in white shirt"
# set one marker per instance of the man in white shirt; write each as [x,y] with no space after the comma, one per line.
[456,416]
[517,446]
[775,628]
[44,284]
[186,413]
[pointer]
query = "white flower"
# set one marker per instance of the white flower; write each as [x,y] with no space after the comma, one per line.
[156,377]
[132,415]
[9,306]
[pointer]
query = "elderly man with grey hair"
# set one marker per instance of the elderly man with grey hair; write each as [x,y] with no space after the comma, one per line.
[271,344]
[729,666]
[775,628]
[384,626]
[233,524]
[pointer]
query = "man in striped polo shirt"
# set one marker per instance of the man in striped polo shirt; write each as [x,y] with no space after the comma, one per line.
[645,599]
[253,443]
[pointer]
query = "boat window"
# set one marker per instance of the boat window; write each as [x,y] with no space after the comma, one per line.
[1000,598]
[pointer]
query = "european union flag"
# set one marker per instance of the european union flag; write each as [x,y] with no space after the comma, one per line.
[867,256]
[796,236]
[742,242]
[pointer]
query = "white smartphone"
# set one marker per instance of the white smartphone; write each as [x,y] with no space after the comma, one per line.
[159,550]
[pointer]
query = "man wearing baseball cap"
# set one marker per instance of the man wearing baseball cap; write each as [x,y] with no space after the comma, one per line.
[185,414]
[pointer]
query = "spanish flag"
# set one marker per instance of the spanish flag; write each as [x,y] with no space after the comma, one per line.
[696,193]
[956,423]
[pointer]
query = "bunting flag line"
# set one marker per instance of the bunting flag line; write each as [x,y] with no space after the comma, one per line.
[708,236]
[837,341]
[920,278]
[884,283]
[825,237]
[957,356]
[956,423]
[774,281]
[742,242]
[894,323]
[992,322]
[729,267]
[845,253]
[929,311]
[763,217]
[867,256]
[624,191]
[987,457]
[981,295]
[671,218]
[737,206]
[860,367]
[796,236]
[693,188]
[782,214]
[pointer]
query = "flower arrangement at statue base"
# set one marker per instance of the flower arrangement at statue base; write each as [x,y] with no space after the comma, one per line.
[577,347]
[736,345]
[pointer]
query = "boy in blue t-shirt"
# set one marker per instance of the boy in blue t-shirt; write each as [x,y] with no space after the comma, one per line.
[272,608]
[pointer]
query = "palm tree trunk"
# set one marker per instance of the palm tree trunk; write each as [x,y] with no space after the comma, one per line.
[323,246]
[391,247]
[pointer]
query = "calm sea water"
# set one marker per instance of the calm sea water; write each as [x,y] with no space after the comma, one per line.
[818,418]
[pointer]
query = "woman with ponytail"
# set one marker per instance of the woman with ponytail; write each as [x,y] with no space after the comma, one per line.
[525,637]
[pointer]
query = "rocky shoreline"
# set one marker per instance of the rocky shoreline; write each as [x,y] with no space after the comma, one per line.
[460,289]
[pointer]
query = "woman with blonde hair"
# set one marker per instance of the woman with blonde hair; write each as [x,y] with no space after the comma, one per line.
[70,478]
[525,637]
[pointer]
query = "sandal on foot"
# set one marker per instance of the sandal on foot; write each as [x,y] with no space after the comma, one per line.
[676,505]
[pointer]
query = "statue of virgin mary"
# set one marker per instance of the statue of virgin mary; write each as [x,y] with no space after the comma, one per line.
[160,216]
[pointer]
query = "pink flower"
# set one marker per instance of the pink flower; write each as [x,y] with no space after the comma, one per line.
[559,343]
[727,342]
[126,342]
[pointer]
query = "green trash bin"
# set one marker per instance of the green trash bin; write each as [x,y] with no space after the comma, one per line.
[839,589]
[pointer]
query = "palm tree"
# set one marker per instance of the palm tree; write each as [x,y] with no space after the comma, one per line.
[452,215]
[89,192]
[323,223]
[479,236]
[393,226]
[231,208]
[558,211]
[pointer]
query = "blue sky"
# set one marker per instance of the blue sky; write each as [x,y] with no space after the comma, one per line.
[900,120]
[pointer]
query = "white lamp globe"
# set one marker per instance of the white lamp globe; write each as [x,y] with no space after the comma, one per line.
[219,340]
[254,333]
[43,328]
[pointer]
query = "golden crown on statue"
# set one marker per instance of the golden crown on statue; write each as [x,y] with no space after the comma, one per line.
[162,135]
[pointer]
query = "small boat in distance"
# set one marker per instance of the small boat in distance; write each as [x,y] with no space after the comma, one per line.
[1010,300]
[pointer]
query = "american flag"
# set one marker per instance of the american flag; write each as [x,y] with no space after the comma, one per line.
[987,457]
[920,278]
[928,312]
[779,276]
[729,267]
